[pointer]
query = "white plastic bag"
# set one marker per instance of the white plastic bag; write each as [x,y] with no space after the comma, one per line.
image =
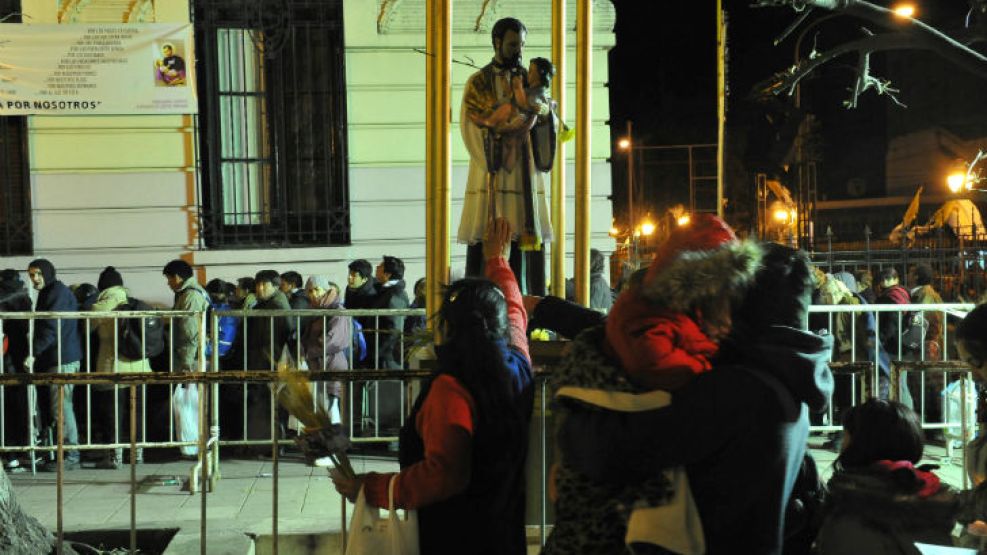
[372,535]
[185,402]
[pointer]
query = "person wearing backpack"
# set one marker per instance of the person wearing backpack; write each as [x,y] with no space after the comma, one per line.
[109,400]
[219,294]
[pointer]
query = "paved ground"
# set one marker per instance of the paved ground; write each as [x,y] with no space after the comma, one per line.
[242,503]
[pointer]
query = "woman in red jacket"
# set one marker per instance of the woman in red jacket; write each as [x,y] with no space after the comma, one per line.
[463,448]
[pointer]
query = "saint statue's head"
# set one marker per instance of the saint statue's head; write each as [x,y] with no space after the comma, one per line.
[508,36]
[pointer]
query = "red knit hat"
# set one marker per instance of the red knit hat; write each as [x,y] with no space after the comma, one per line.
[700,260]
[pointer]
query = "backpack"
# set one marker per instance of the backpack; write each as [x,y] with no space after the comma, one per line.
[359,341]
[131,336]
[915,329]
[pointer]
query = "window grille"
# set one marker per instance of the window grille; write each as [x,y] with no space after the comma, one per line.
[15,185]
[272,123]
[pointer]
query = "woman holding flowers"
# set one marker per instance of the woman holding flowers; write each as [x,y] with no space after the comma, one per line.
[463,448]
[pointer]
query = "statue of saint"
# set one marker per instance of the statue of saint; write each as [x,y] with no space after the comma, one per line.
[508,124]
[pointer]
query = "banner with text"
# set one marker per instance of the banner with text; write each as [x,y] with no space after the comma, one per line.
[90,69]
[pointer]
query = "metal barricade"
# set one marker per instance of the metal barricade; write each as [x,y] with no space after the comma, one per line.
[88,322]
[387,349]
[906,373]
[206,470]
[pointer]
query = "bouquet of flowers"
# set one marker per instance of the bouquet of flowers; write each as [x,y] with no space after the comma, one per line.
[320,437]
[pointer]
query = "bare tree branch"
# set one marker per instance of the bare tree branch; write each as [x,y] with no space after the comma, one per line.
[902,33]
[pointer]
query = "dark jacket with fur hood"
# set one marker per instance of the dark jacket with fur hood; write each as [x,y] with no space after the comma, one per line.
[879,512]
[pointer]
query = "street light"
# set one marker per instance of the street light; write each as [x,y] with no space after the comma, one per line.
[955,181]
[647,228]
[904,10]
[965,176]
[684,219]
[627,144]
[781,215]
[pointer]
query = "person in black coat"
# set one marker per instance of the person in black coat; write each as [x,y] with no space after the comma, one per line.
[391,294]
[291,286]
[361,292]
[14,298]
[56,349]
[740,430]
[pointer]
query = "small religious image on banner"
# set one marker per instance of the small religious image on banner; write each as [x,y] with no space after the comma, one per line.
[169,67]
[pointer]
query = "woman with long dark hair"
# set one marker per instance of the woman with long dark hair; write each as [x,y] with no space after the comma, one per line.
[463,448]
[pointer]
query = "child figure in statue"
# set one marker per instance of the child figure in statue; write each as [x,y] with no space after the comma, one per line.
[533,99]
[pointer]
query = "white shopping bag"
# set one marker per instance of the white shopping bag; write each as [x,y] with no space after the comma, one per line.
[372,535]
[186,406]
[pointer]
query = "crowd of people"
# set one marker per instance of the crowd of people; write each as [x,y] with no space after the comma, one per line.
[682,414]
[69,345]
[682,420]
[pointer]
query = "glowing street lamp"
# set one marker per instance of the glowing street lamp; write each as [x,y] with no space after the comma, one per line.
[647,228]
[904,10]
[956,182]
[684,219]
[781,215]
[624,144]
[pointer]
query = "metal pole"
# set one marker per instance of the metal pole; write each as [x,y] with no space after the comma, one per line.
[274,474]
[692,182]
[214,398]
[558,166]
[630,175]
[964,425]
[438,156]
[203,403]
[543,432]
[133,467]
[584,88]
[721,104]
[60,460]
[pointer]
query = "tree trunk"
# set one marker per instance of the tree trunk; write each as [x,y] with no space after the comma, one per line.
[19,532]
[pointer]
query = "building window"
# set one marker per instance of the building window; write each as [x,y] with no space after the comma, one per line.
[272,123]
[15,184]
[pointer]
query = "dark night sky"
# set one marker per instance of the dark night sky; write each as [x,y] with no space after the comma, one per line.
[663,77]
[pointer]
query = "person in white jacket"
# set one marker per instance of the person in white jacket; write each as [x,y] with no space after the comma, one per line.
[112,403]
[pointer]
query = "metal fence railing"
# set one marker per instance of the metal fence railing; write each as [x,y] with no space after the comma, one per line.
[857,372]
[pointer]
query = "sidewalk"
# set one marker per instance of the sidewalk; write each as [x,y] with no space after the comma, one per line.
[240,508]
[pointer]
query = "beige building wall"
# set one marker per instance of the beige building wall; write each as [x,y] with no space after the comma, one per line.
[121,190]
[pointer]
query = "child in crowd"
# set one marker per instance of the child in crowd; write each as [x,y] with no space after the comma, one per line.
[666,329]
[879,501]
